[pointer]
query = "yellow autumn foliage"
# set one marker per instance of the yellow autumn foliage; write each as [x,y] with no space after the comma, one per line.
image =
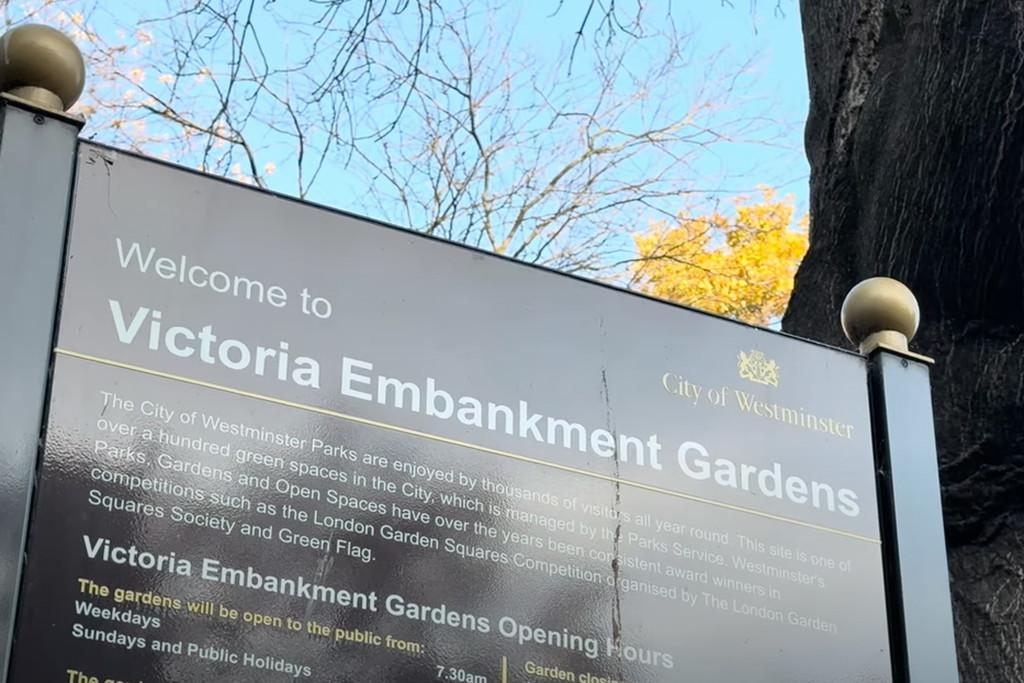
[740,266]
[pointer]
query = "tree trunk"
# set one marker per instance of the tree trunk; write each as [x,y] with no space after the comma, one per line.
[916,143]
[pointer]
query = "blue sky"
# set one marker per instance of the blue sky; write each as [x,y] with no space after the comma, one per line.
[777,43]
[772,40]
[764,43]
[768,41]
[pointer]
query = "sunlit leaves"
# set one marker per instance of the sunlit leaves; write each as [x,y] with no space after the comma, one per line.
[740,266]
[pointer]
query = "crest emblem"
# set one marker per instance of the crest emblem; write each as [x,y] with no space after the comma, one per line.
[756,367]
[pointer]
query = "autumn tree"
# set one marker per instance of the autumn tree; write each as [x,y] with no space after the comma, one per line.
[740,266]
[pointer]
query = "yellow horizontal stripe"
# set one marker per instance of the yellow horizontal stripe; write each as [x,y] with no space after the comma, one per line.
[463,444]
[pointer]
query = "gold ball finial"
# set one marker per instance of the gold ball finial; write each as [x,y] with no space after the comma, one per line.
[878,312]
[42,65]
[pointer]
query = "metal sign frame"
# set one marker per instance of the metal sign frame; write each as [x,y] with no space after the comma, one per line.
[37,165]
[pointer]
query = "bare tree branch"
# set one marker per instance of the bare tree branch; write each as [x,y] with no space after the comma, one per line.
[554,158]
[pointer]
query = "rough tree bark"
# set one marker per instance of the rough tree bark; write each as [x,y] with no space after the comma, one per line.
[916,143]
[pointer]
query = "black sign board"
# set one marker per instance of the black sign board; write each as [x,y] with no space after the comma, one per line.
[289,444]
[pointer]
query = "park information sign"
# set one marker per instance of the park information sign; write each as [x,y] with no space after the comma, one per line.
[288,444]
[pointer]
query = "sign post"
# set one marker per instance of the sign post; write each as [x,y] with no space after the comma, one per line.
[37,156]
[287,443]
[880,315]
